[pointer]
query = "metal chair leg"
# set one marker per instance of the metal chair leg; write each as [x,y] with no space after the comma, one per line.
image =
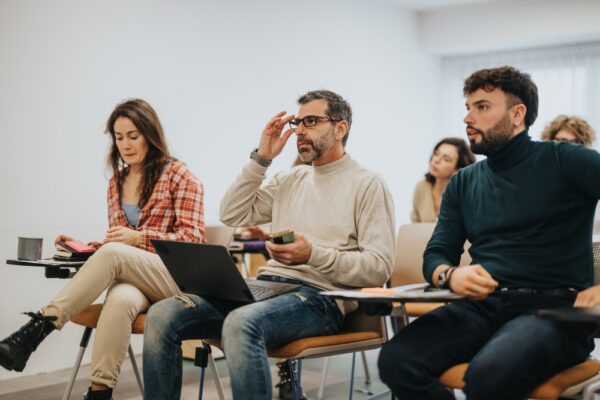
[85,339]
[366,368]
[215,374]
[136,370]
[323,379]
[201,360]
[405,320]
[352,376]
[201,386]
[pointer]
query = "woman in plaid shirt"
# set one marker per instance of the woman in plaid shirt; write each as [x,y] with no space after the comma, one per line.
[151,195]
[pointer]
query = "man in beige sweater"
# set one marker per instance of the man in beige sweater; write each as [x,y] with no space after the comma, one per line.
[342,217]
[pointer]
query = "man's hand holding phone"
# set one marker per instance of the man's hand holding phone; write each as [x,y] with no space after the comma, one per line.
[289,248]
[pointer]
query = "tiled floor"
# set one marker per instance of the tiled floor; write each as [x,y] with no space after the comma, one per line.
[51,386]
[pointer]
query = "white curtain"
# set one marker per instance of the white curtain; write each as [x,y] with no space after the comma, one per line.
[567,77]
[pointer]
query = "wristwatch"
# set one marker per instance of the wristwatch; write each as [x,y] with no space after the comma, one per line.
[265,162]
[444,278]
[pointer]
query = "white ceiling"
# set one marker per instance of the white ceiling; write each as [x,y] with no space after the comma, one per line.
[422,5]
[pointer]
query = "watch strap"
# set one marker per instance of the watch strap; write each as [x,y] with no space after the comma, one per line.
[265,162]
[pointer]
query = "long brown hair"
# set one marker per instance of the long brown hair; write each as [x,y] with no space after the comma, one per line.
[143,116]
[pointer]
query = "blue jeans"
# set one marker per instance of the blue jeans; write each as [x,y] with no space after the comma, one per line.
[510,350]
[245,333]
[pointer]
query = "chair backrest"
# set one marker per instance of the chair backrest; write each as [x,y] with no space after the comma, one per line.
[218,234]
[358,321]
[410,245]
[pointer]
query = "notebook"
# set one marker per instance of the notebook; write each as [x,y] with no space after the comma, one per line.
[208,270]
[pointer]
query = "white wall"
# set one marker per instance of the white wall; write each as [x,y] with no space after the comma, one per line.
[511,29]
[215,71]
[508,25]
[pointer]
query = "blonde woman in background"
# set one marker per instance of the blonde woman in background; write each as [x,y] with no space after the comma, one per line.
[570,129]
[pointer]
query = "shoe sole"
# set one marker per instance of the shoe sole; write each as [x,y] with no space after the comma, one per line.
[10,366]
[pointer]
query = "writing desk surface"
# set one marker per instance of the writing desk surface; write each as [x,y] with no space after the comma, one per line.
[52,268]
[403,294]
[48,262]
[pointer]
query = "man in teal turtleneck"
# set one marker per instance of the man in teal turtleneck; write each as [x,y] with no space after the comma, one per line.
[527,211]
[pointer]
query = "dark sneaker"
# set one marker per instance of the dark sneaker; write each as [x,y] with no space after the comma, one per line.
[285,383]
[16,349]
[98,394]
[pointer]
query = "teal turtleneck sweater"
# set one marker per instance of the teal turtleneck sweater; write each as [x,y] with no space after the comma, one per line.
[528,213]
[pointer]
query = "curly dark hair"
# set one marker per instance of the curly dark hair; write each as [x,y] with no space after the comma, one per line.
[578,126]
[518,85]
[145,119]
[465,156]
[337,106]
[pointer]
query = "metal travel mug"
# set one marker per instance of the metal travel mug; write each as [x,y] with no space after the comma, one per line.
[29,248]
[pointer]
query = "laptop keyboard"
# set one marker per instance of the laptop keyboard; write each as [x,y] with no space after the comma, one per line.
[262,292]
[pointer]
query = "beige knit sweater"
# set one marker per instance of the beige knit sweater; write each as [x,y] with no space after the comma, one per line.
[344,210]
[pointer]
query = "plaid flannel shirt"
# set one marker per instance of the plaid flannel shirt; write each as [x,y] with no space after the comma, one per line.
[174,211]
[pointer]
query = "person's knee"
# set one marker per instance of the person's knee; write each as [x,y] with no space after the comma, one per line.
[239,323]
[109,250]
[396,360]
[240,328]
[486,379]
[123,301]
[158,326]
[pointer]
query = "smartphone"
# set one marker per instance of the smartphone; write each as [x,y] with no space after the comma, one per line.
[282,237]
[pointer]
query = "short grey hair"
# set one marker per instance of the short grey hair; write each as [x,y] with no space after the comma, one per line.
[337,107]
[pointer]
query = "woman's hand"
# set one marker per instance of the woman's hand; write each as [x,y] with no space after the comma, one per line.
[62,238]
[124,235]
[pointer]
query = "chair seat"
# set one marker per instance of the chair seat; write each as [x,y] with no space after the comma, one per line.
[419,309]
[551,389]
[293,349]
[89,318]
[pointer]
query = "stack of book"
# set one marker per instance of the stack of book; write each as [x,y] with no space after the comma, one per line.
[72,250]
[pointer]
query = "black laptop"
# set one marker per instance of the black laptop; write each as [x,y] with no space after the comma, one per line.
[207,270]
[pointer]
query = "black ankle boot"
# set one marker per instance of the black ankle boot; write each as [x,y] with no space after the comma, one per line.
[98,394]
[285,383]
[16,349]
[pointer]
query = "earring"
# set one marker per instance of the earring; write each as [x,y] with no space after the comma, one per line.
[517,123]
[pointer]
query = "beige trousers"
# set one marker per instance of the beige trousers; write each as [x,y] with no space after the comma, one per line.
[135,278]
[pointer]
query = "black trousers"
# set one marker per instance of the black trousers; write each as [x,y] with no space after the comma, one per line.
[510,350]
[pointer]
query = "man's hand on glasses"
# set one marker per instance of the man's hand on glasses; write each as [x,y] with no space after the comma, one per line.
[272,140]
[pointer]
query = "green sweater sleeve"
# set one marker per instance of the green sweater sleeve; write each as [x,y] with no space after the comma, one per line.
[447,242]
[581,165]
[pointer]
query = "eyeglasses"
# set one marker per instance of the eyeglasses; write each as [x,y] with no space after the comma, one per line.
[310,120]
